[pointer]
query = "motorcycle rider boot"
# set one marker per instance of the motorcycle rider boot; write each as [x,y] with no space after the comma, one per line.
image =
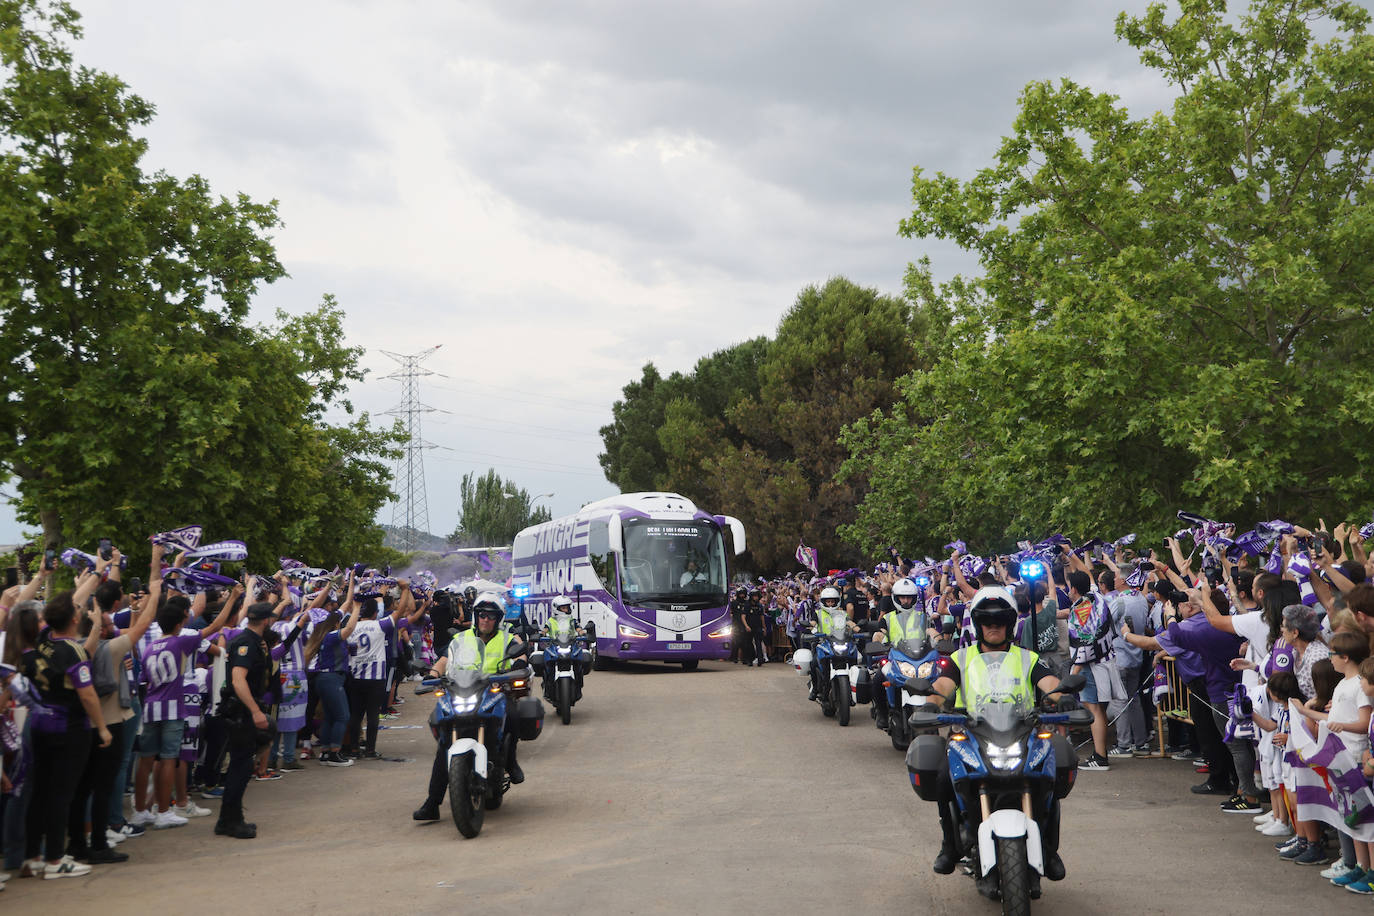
[429,811]
[948,857]
[1049,844]
[517,775]
[988,885]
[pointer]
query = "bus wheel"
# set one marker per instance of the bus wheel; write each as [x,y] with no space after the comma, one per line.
[690,664]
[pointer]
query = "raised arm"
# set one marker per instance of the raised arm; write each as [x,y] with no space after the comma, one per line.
[140,624]
[222,618]
[1214,616]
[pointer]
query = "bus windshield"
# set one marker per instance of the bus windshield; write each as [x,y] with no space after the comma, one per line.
[674,561]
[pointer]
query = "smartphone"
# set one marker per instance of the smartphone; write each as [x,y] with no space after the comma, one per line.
[11,576]
[106,548]
[50,559]
[135,586]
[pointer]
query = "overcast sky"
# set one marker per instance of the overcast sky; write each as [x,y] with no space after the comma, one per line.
[559,192]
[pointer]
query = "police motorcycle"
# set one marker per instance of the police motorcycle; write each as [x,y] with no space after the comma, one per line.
[891,666]
[1006,767]
[563,661]
[830,657]
[474,705]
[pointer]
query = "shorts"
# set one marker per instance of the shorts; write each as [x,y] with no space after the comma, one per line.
[1089,692]
[161,739]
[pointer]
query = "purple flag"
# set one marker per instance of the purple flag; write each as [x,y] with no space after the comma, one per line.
[807,556]
[957,545]
[77,559]
[1330,787]
[484,561]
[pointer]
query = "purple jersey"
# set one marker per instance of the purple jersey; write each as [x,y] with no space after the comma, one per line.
[164,663]
[294,660]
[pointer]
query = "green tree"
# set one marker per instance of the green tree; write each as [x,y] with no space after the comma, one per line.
[136,396]
[1174,311]
[492,511]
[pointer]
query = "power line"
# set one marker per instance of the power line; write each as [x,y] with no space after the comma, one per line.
[410,512]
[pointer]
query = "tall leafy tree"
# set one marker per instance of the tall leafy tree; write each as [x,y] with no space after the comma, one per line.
[492,510]
[1173,312]
[136,395]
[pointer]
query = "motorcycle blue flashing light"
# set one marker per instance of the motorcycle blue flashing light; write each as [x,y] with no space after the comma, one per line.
[521,591]
[1032,569]
[923,581]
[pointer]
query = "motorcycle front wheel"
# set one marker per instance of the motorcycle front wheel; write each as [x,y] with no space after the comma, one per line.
[565,700]
[465,802]
[841,690]
[1013,872]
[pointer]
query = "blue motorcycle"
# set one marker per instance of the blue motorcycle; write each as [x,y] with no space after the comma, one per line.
[909,659]
[838,680]
[472,709]
[1009,769]
[563,663]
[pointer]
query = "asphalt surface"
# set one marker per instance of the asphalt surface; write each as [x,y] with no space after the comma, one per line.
[716,791]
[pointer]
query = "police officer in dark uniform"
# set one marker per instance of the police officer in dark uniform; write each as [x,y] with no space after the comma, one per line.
[246,722]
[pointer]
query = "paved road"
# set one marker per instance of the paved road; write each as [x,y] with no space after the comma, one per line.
[718,791]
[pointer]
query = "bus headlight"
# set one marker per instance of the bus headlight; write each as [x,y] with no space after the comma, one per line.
[720,634]
[627,630]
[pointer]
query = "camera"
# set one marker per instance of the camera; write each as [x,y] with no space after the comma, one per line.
[50,559]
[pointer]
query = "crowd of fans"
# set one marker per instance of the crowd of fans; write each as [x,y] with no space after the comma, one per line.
[118,697]
[1253,649]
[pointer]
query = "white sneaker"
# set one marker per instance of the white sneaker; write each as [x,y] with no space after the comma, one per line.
[1337,869]
[143,818]
[168,818]
[67,868]
[190,809]
[114,837]
[1264,818]
[1278,828]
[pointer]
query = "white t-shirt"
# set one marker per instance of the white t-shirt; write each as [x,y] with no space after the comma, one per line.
[1252,628]
[1346,702]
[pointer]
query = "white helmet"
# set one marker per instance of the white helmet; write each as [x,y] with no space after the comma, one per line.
[562,604]
[830,594]
[904,588]
[993,605]
[801,660]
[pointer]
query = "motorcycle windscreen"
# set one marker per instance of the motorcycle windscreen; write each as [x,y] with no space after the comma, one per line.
[839,627]
[999,698]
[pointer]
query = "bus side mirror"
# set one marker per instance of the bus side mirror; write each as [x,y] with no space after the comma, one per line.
[615,535]
[736,533]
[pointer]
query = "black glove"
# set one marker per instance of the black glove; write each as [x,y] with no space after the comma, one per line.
[1067,702]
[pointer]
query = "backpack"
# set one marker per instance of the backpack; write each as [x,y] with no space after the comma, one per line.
[105,671]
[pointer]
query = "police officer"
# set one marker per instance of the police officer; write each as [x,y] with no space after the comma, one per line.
[244,717]
[906,622]
[993,610]
[828,614]
[488,642]
[560,622]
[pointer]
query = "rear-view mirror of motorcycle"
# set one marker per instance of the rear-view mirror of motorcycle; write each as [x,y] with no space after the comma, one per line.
[947,628]
[923,719]
[1072,683]
[514,649]
[1080,716]
[871,626]
[918,686]
[946,647]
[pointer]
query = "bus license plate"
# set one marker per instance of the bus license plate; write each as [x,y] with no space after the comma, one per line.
[679,645]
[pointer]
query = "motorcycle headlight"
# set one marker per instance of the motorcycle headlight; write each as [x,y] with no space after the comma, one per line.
[841,647]
[907,668]
[464,704]
[1004,758]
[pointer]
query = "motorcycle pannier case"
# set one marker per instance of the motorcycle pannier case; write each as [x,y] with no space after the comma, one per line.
[1065,766]
[863,687]
[529,718]
[925,759]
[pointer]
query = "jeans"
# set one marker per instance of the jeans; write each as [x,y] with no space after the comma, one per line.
[329,687]
[16,808]
[1130,727]
[128,735]
[365,696]
[1242,758]
[284,747]
[59,759]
